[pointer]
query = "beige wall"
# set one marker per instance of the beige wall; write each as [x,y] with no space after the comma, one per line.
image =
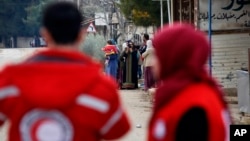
[1,45]
[229,53]
[224,15]
[12,55]
[23,42]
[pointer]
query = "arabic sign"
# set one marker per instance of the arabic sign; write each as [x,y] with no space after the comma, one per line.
[226,14]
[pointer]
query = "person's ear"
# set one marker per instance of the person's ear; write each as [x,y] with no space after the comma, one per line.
[46,35]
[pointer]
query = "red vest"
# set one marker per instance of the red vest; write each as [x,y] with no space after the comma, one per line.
[165,122]
[60,95]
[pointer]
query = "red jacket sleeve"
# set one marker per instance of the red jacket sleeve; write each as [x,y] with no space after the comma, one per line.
[8,94]
[115,121]
[116,126]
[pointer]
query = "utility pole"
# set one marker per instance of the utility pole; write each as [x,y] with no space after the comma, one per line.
[169,16]
[78,4]
[170,13]
[210,33]
[161,15]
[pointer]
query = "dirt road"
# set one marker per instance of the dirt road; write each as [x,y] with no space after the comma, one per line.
[138,106]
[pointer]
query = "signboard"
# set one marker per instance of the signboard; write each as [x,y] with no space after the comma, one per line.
[91,28]
[226,14]
[101,19]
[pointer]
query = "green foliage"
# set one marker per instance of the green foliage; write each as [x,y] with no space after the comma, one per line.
[34,17]
[20,18]
[144,12]
[92,46]
[10,17]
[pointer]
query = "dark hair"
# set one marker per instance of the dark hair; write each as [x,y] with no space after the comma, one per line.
[109,42]
[130,44]
[137,47]
[146,36]
[63,21]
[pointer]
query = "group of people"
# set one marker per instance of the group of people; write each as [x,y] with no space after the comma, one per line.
[131,63]
[78,102]
[38,42]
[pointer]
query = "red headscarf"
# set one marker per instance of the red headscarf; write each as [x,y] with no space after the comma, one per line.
[182,52]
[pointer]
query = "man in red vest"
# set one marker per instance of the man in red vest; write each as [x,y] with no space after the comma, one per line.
[188,103]
[60,94]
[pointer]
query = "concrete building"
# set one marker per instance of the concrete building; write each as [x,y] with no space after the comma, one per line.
[230,34]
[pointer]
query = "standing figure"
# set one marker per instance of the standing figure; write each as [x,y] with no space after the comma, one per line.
[148,63]
[144,46]
[129,59]
[111,62]
[139,57]
[142,49]
[59,93]
[37,41]
[189,106]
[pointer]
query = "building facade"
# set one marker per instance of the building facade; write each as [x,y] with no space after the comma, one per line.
[230,34]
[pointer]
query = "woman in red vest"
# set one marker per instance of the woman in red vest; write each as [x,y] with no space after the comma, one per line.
[189,106]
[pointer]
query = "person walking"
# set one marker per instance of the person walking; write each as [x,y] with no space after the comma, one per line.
[60,94]
[147,63]
[188,106]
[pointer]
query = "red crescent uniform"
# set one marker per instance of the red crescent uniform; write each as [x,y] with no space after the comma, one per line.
[60,96]
[164,124]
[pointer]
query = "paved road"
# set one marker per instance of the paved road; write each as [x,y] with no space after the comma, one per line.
[138,107]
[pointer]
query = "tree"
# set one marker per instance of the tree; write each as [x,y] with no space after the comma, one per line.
[18,18]
[10,23]
[34,17]
[93,45]
[143,12]
[109,8]
[90,8]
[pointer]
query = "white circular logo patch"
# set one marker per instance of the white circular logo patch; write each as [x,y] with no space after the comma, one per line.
[227,121]
[49,130]
[46,126]
[160,130]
